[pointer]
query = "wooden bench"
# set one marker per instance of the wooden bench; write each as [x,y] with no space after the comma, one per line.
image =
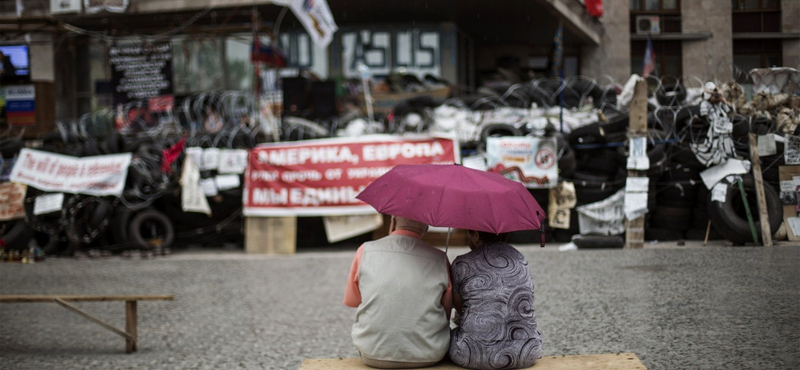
[130,309]
[608,361]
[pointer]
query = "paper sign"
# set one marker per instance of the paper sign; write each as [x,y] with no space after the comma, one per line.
[12,201]
[477,162]
[791,149]
[563,195]
[794,224]
[209,187]
[731,166]
[788,185]
[719,193]
[225,182]
[338,228]
[232,161]
[637,184]
[193,198]
[48,203]
[635,205]
[766,145]
[562,199]
[637,159]
[559,218]
[210,159]
[197,155]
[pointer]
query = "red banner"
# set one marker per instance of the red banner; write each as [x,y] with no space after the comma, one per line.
[322,177]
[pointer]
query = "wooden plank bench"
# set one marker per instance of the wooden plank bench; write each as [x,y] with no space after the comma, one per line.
[130,309]
[607,361]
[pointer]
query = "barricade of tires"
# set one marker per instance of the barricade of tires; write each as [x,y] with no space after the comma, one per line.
[148,215]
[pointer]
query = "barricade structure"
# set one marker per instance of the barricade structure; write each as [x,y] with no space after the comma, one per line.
[591,137]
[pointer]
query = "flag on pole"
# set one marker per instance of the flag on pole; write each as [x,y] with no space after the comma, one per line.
[649,58]
[558,50]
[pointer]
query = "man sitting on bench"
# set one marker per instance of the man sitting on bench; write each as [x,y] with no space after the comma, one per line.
[401,289]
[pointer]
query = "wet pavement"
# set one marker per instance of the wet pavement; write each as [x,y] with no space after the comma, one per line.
[690,307]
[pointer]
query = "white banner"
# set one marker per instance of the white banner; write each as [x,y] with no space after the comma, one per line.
[193,197]
[605,217]
[99,176]
[113,6]
[526,159]
[316,17]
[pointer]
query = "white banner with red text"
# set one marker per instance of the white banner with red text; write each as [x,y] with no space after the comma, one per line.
[322,177]
[529,160]
[100,175]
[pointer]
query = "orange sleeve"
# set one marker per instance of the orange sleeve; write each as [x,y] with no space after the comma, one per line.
[447,297]
[352,295]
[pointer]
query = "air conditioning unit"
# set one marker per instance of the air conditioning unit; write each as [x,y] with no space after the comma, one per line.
[648,24]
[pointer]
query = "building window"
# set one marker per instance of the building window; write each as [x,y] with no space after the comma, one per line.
[756,16]
[755,5]
[668,12]
[749,54]
[655,5]
[669,57]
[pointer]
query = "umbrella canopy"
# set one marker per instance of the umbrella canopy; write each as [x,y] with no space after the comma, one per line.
[454,196]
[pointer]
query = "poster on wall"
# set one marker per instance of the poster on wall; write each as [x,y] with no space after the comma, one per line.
[322,177]
[113,6]
[141,73]
[529,160]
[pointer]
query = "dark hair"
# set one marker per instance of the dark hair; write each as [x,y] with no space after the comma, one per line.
[488,238]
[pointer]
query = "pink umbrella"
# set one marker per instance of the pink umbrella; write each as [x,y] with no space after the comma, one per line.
[454,196]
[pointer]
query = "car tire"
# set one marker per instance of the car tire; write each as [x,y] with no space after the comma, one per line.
[728,216]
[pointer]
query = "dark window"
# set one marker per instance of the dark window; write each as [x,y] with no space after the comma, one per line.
[756,16]
[655,5]
[749,54]
[668,12]
[669,58]
[755,5]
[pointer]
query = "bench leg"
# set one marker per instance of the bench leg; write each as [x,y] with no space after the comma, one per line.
[130,326]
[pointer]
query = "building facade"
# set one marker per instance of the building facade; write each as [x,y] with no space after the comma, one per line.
[460,41]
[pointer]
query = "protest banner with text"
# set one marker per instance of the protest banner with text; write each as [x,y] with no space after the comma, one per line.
[323,177]
[100,175]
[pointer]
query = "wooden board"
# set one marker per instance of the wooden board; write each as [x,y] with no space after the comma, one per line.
[270,235]
[766,233]
[82,298]
[637,126]
[608,361]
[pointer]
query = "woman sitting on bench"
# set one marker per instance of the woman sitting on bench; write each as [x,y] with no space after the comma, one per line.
[493,298]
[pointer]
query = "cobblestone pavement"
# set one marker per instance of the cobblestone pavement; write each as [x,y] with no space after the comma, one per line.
[677,308]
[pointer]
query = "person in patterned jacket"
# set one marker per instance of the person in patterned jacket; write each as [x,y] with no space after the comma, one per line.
[493,298]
